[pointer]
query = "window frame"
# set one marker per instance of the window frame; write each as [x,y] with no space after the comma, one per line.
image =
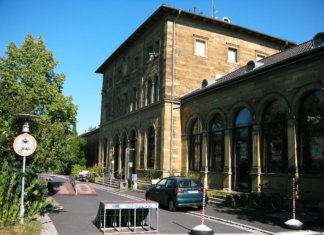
[195,146]
[151,148]
[204,41]
[310,135]
[213,145]
[274,135]
[235,51]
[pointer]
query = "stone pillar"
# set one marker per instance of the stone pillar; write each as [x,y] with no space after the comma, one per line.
[292,126]
[111,158]
[256,158]
[204,152]
[119,157]
[100,153]
[227,182]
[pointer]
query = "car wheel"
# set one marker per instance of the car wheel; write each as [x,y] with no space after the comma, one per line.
[172,206]
[200,207]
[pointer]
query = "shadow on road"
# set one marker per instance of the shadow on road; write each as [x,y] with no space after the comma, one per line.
[313,221]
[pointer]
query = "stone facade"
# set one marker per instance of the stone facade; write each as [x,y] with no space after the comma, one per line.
[168,56]
[281,87]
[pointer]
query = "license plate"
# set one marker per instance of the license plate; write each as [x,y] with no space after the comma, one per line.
[193,191]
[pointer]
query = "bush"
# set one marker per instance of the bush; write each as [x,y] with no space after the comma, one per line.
[76,169]
[197,176]
[95,171]
[10,193]
[149,174]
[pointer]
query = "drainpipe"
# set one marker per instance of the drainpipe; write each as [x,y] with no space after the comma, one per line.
[172,89]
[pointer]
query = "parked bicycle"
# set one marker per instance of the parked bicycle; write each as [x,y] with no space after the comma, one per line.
[270,200]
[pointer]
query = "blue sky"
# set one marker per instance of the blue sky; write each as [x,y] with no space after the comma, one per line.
[83,33]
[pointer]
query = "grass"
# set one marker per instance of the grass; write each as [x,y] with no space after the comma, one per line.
[28,228]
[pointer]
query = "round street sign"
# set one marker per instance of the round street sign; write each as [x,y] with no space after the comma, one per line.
[25,145]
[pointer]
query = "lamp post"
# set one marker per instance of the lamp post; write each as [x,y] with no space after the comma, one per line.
[24,145]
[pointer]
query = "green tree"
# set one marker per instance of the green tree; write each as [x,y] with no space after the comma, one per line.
[29,85]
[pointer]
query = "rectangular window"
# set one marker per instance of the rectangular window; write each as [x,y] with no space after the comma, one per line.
[232,55]
[200,47]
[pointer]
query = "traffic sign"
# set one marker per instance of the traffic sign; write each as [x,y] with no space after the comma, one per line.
[25,145]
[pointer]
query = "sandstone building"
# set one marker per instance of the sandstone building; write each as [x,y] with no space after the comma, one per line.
[261,125]
[143,124]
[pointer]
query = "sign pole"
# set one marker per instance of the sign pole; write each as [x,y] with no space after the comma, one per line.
[22,207]
[24,145]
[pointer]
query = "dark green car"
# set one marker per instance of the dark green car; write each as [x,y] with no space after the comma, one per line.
[175,192]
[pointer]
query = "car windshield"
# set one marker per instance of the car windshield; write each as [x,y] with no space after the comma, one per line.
[187,183]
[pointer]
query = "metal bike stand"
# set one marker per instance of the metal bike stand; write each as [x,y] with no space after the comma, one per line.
[128,216]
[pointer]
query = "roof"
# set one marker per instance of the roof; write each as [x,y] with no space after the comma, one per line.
[165,10]
[266,64]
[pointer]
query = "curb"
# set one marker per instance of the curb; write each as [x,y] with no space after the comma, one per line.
[48,226]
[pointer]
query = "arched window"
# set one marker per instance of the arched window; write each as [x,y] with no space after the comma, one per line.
[195,146]
[216,145]
[156,88]
[150,148]
[149,95]
[116,153]
[311,159]
[107,109]
[118,107]
[243,149]
[274,126]
[134,102]
[125,105]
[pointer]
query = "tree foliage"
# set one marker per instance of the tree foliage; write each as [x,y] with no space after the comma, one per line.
[29,85]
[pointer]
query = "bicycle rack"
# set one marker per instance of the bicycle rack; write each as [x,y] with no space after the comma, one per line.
[128,216]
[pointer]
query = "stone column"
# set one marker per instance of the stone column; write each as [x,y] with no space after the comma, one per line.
[100,153]
[204,152]
[292,127]
[227,182]
[119,157]
[256,158]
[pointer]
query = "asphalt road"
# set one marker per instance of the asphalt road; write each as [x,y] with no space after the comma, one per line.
[79,212]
